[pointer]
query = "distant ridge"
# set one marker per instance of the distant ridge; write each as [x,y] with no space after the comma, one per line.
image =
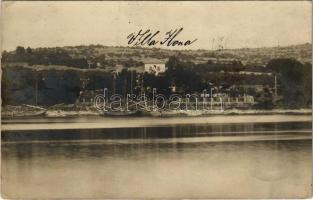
[114,55]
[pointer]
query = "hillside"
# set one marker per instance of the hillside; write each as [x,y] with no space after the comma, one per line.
[48,76]
[261,56]
[105,57]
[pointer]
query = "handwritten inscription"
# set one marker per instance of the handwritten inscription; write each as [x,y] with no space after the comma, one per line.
[150,38]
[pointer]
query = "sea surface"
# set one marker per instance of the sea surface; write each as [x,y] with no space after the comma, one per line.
[168,160]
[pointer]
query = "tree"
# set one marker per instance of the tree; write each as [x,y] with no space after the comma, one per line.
[20,50]
[183,75]
[294,79]
[29,50]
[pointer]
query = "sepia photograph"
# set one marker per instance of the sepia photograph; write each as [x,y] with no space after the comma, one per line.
[156,99]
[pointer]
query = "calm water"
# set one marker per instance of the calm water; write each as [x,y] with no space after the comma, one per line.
[173,161]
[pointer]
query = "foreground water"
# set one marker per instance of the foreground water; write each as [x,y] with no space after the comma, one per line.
[170,161]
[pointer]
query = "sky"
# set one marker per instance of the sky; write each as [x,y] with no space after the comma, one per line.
[234,24]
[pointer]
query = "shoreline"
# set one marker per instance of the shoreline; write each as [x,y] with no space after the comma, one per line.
[185,113]
[30,111]
[135,122]
[172,113]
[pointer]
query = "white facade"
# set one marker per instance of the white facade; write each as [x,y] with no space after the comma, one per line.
[155,68]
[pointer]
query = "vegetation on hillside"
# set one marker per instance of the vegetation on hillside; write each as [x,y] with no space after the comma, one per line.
[187,71]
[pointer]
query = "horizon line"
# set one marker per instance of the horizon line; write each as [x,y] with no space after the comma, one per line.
[167,49]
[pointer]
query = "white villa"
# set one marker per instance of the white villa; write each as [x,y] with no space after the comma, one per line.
[155,68]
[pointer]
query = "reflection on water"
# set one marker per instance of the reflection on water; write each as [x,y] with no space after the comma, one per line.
[174,161]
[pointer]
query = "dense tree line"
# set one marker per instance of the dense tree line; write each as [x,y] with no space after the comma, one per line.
[43,57]
[58,56]
[26,86]
[210,66]
[48,87]
[295,81]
